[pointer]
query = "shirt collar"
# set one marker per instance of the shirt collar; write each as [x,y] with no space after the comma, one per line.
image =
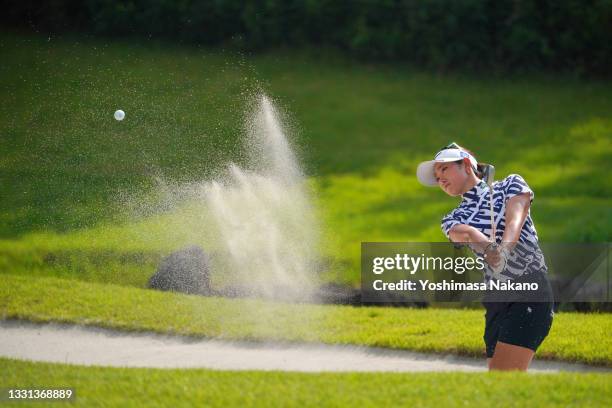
[475,192]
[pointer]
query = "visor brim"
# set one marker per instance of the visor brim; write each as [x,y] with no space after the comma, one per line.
[425,173]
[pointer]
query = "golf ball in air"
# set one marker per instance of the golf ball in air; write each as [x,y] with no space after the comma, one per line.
[119,114]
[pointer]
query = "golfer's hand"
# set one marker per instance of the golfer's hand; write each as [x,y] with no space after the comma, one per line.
[497,255]
[493,255]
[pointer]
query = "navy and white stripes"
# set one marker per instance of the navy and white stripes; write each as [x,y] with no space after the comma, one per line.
[474,210]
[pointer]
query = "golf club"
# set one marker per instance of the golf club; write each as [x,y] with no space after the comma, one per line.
[488,175]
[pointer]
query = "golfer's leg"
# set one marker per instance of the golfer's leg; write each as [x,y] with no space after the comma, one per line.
[511,357]
[492,327]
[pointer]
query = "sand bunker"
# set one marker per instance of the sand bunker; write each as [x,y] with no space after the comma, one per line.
[102,347]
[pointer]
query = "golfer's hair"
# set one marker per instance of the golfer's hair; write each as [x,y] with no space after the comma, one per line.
[480,170]
[479,167]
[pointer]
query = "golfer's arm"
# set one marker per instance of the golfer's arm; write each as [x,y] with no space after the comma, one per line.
[466,234]
[517,209]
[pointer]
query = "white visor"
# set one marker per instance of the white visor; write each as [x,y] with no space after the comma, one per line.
[425,170]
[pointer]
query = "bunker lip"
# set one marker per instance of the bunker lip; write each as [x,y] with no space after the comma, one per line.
[84,345]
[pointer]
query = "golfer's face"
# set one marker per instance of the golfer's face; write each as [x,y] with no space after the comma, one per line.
[451,178]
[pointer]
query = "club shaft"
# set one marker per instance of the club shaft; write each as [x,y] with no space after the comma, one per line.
[492,215]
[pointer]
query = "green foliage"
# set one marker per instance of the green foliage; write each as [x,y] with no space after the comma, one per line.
[504,35]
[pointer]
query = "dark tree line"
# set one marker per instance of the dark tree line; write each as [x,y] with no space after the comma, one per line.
[511,35]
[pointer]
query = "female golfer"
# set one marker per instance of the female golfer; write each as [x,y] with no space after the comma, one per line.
[514,326]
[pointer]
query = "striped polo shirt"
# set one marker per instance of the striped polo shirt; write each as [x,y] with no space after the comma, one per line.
[474,210]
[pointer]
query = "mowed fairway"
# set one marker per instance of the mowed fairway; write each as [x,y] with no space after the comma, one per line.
[89,207]
[574,337]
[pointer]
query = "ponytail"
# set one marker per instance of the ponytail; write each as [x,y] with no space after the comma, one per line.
[480,169]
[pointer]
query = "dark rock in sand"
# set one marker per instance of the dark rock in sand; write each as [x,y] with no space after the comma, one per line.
[185,271]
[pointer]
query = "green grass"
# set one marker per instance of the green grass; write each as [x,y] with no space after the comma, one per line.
[574,337]
[97,386]
[75,182]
